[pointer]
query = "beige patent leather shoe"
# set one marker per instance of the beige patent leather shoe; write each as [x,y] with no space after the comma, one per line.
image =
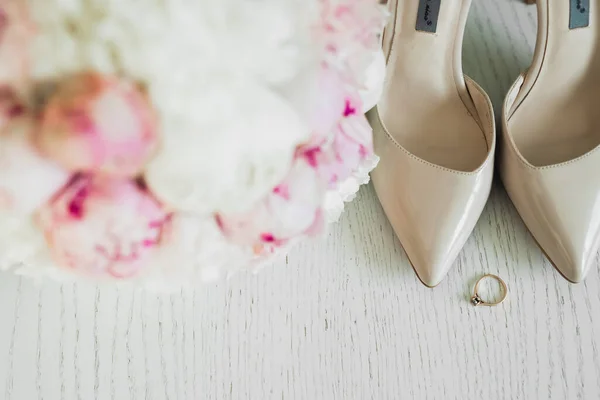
[434,132]
[550,162]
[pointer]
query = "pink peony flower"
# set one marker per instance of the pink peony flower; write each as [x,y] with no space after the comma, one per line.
[16,31]
[27,179]
[292,209]
[337,157]
[103,226]
[99,124]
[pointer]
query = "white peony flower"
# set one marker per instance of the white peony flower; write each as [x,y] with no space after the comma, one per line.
[246,149]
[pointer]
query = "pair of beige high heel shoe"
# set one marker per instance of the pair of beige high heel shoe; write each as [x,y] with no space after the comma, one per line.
[435,133]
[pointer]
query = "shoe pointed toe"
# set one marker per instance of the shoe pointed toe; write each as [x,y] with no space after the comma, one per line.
[432,210]
[573,266]
[566,227]
[432,214]
[434,221]
[432,262]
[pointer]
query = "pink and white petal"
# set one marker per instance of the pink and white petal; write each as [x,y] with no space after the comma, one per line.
[103,227]
[96,123]
[289,211]
[330,103]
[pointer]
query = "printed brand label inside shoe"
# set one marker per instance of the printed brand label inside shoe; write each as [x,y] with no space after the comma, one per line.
[427,16]
[580,14]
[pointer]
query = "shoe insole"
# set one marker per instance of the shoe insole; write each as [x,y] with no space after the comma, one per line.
[559,119]
[423,105]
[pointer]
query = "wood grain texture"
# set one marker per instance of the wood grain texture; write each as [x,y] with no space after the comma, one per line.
[344,318]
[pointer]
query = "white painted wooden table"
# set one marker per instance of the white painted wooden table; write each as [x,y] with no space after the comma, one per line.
[342,319]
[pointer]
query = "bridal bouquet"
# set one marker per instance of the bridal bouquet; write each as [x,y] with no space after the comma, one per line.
[164,141]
